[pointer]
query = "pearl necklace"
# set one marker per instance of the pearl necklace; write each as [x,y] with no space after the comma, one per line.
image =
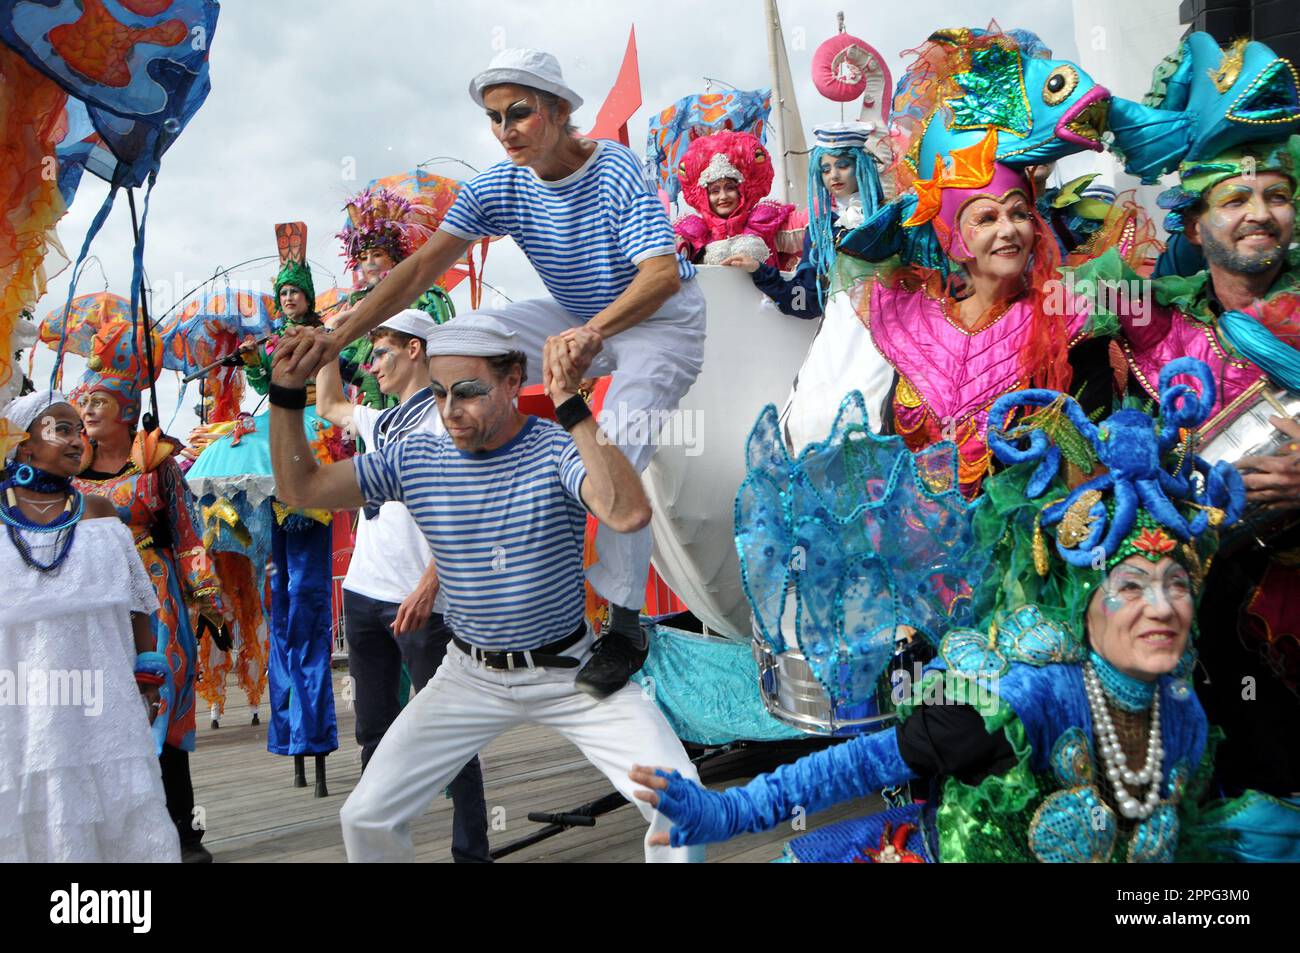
[1112,755]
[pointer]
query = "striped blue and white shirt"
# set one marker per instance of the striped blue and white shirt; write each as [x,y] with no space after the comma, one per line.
[506,529]
[585,234]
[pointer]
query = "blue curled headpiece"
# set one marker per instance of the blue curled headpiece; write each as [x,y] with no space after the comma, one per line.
[1097,517]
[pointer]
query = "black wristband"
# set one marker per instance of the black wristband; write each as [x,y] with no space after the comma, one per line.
[572,412]
[289,398]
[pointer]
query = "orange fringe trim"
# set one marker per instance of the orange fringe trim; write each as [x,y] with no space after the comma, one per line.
[32,121]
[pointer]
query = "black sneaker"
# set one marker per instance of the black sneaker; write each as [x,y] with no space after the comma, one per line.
[614,660]
[195,854]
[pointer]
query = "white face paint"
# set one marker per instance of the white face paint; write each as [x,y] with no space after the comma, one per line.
[1141,616]
[60,433]
[1127,584]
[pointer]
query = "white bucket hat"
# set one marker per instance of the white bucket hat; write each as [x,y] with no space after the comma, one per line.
[533,68]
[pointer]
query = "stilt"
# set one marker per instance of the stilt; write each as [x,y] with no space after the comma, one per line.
[321,790]
[299,772]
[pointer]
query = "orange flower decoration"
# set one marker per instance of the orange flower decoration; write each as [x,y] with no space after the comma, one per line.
[1155,541]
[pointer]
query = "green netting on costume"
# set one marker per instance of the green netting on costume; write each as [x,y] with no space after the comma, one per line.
[1006,525]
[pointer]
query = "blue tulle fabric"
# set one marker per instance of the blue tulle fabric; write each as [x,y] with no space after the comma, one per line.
[866,535]
[707,688]
[852,769]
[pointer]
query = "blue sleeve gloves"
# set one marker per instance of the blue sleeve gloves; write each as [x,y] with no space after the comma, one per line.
[853,769]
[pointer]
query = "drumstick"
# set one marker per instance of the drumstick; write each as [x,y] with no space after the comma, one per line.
[230,360]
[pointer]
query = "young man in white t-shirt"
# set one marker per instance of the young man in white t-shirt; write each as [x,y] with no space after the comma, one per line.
[392,606]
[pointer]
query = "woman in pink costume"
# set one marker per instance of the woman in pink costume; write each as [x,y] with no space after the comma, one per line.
[964,304]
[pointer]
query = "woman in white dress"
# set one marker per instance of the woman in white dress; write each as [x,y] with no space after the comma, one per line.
[79,780]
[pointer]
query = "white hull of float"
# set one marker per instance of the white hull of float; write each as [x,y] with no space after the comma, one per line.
[752,353]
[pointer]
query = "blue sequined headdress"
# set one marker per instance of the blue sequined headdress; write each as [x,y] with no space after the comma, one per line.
[864,535]
[1207,107]
[975,102]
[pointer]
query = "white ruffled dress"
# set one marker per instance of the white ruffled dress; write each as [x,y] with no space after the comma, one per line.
[79,780]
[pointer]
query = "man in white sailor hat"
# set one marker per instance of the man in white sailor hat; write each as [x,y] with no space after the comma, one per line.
[393,606]
[502,500]
[591,225]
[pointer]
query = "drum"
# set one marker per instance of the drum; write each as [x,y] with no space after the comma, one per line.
[1242,429]
[792,694]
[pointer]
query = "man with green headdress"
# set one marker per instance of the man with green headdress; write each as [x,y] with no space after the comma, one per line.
[1238,163]
[297,541]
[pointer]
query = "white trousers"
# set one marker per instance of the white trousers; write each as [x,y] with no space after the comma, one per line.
[654,364]
[463,707]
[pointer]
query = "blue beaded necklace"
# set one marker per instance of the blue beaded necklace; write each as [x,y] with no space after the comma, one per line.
[1123,691]
[65,524]
[34,479]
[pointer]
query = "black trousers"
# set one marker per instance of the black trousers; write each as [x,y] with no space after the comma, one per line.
[175,764]
[375,658]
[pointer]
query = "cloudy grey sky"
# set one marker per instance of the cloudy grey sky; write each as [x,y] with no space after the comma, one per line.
[304,90]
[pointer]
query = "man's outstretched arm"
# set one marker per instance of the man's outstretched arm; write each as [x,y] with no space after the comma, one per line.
[299,480]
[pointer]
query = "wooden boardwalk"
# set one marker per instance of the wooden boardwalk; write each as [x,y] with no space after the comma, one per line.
[254,814]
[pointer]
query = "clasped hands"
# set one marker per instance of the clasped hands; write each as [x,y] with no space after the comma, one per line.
[299,354]
[565,360]
[302,351]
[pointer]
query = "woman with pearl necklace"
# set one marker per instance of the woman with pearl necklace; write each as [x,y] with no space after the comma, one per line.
[1061,727]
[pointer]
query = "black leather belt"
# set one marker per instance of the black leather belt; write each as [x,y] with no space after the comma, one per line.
[544,656]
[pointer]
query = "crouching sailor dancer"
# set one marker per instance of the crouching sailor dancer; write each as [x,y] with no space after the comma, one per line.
[502,500]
